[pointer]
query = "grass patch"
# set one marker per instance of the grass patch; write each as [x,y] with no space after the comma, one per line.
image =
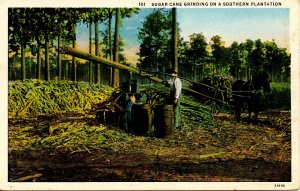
[279,98]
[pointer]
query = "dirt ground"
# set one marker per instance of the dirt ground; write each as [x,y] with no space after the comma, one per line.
[229,151]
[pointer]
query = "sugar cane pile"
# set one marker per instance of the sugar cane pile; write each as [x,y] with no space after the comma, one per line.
[55,114]
[217,86]
[34,97]
[71,135]
[224,81]
[59,114]
[198,114]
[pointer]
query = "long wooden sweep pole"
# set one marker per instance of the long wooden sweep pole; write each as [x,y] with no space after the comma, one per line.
[100,60]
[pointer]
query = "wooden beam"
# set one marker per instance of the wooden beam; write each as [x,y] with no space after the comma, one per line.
[100,60]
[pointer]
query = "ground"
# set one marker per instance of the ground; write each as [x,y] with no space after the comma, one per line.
[228,151]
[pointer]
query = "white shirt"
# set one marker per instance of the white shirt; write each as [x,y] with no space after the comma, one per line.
[175,86]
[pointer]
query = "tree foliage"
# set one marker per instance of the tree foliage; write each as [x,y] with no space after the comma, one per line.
[196,54]
[42,30]
[199,59]
[155,52]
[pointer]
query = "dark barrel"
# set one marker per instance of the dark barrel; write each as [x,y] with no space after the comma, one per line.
[142,118]
[163,120]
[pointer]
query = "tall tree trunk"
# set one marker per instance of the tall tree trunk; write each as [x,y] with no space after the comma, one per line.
[110,47]
[39,62]
[59,57]
[74,66]
[47,61]
[29,68]
[10,69]
[273,74]
[110,36]
[248,71]
[90,51]
[237,72]
[201,72]
[97,51]
[15,67]
[23,67]
[116,74]
[174,40]
[195,71]
[213,69]
[66,70]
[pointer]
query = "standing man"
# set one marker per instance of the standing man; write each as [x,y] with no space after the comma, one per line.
[174,97]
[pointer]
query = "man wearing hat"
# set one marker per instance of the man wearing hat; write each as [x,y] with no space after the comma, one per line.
[174,97]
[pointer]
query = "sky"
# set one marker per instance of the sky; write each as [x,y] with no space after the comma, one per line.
[232,24]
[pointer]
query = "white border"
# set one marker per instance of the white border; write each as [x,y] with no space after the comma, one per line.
[295,74]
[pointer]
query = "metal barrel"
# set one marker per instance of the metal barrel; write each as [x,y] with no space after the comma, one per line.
[163,120]
[142,118]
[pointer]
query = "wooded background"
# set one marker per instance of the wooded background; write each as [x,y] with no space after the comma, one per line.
[36,35]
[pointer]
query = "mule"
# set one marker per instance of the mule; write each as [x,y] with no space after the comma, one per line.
[249,92]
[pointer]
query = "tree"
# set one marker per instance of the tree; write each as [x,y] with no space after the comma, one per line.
[42,26]
[116,75]
[155,40]
[47,27]
[183,66]
[234,60]
[90,51]
[107,40]
[61,32]
[105,47]
[96,16]
[19,33]
[258,57]
[249,46]
[174,40]
[98,71]
[117,49]
[238,59]
[285,59]
[196,53]
[72,22]
[217,51]
[282,63]
[110,46]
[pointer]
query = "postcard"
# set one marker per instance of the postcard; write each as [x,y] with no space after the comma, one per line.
[150,95]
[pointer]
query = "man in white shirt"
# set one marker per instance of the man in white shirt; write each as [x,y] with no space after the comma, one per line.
[174,97]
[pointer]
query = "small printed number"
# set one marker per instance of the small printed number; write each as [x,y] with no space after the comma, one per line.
[279,185]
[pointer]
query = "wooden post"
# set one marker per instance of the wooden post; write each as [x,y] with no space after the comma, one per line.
[174,40]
